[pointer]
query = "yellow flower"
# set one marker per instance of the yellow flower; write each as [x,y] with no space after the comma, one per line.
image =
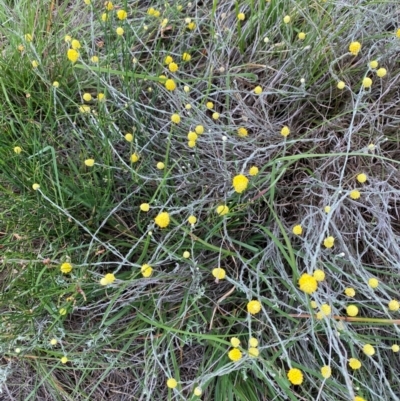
[128,137]
[354,48]
[171,383]
[192,136]
[170,84]
[198,391]
[199,129]
[350,292]
[393,305]
[253,342]
[308,283]
[362,178]
[192,144]
[35,187]
[168,60]
[297,230]
[352,310]
[240,183]
[285,131]
[173,67]
[341,85]
[146,270]
[64,359]
[186,255]
[295,376]
[186,57]
[355,194]
[253,307]
[87,2]
[75,44]
[66,268]
[222,210]
[72,55]
[373,282]
[191,26]
[17,150]
[358,398]
[398,33]
[122,14]
[219,273]
[326,372]
[326,309]
[286,19]
[160,165]
[241,17]
[144,207]
[369,349]
[367,82]
[104,17]
[242,132]
[319,275]
[254,352]
[162,220]
[301,35]
[109,278]
[101,97]
[56,84]
[84,109]
[235,342]
[28,37]
[235,354]
[381,72]
[257,90]
[67,38]
[134,157]
[89,162]
[87,97]
[253,171]
[53,341]
[175,118]
[62,311]
[21,48]
[215,115]
[119,31]
[395,348]
[313,304]
[192,219]
[109,5]
[35,64]
[354,363]
[327,209]
[374,64]
[329,242]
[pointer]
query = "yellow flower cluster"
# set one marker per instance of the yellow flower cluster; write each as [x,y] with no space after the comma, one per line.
[295,376]
[240,183]
[308,283]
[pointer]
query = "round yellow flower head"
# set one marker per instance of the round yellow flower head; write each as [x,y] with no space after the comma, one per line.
[240,183]
[162,220]
[326,309]
[192,144]
[62,311]
[144,207]
[64,360]
[84,109]
[17,150]
[368,349]
[327,209]
[373,64]
[354,194]
[253,307]
[28,37]
[128,137]
[297,230]
[160,165]
[373,282]
[170,84]
[191,26]
[75,44]
[222,210]
[72,55]
[89,162]
[295,376]
[134,157]
[53,341]
[119,31]
[285,131]
[341,85]
[21,48]
[381,72]
[101,97]
[362,178]
[367,82]
[109,278]
[198,391]
[319,275]
[352,310]
[257,90]
[209,105]
[56,84]
[354,48]
[235,342]
[171,383]
[66,268]
[168,60]
[301,35]
[350,292]
[199,129]
[253,171]
[242,132]
[175,118]
[104,17]
[241,17]
[313,304]
[395,348]
[354,363]
[173,67]
[329,242]
[192,136]
[358,398]
[192,219]
[393,305]
[122,14]
[219,273]
[253,342]
[308,283]
[87,97]
[326,372]
[398,33]
[286,19]
[186,57]
[67,38]
[146,270]
[109,5]
[186,254]
[215,116]
[35,187]
[235,354]
[254,352]
[35,64]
